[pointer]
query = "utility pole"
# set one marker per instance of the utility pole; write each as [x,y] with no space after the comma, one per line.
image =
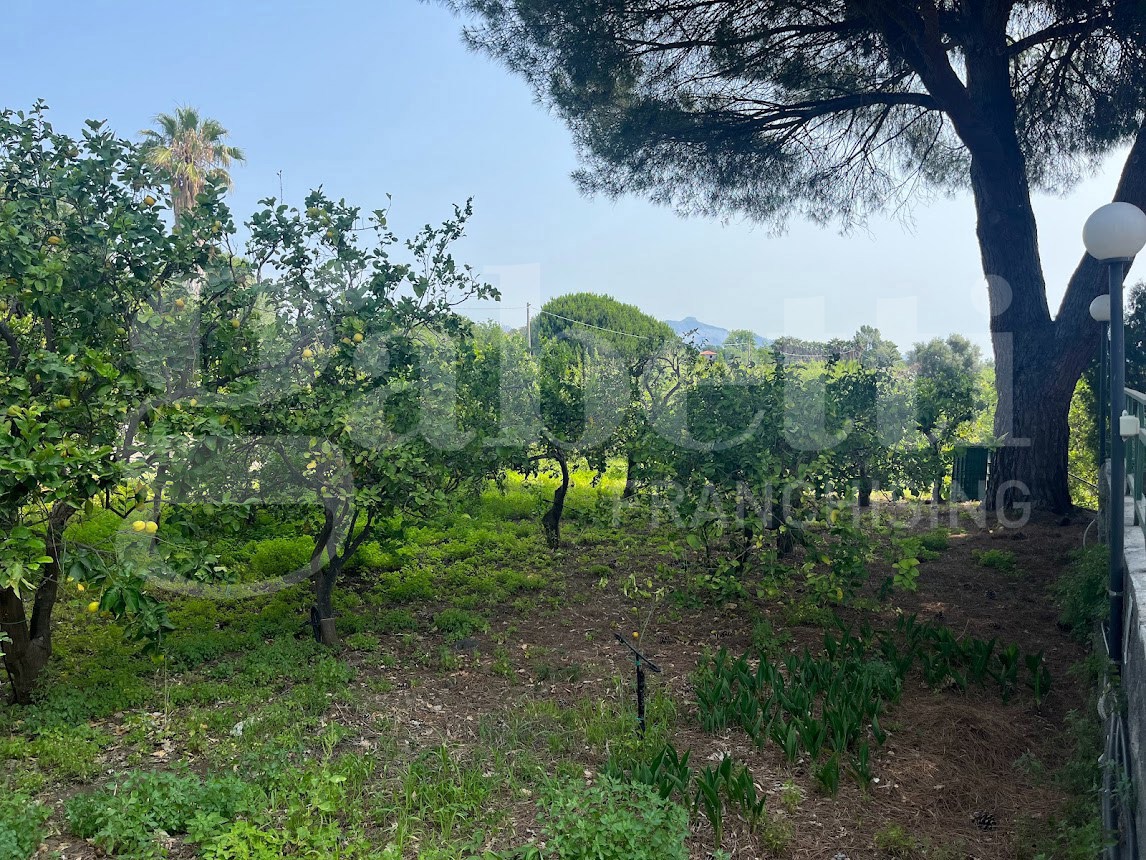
[528,330]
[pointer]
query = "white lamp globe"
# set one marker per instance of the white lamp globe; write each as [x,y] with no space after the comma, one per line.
[1100,308]
[1115,231]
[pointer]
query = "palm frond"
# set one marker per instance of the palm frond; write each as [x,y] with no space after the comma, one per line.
[189,150]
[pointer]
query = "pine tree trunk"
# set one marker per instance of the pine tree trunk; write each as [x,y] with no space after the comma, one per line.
[1037,360]
[1031,466]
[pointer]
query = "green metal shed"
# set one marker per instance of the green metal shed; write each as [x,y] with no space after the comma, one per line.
[969,473]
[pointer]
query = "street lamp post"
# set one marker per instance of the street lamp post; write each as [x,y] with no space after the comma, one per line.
[1113,234]
[1100,312]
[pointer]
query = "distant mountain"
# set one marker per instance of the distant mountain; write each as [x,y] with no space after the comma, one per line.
[703,334]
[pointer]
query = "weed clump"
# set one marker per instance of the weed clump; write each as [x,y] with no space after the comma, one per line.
[614,821]
[127,818]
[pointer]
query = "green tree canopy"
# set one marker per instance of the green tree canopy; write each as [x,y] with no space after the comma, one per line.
[947,393]
[741,343]
[83,257]
[838,109]
[594,352]
[315,357]
[624,328]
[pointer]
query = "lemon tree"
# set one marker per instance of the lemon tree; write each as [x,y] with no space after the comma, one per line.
[140,356]
[383,427]
[82,251]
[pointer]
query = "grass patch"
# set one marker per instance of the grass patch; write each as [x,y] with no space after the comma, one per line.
[459,624]
[1081,592]
[275,557]
[1002,560]
[936,540]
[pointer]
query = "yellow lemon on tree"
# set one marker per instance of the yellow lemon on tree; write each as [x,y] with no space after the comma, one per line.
[54,240]
[358,338]
[311,466]
[308,353]
[138,526]
[235,323]
[80,586]
[93,606]
[193,402]
[148,200]
[180,304]
[347,341]
[151,527]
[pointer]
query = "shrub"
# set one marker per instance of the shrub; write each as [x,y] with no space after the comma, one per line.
[21,825]
[936,540]
[277,557]
[614,821]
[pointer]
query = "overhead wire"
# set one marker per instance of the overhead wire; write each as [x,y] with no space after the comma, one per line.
[597,327]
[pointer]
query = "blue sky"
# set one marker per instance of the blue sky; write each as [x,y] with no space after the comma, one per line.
[369,98]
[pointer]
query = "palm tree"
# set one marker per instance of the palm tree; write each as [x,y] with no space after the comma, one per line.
[188,151]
